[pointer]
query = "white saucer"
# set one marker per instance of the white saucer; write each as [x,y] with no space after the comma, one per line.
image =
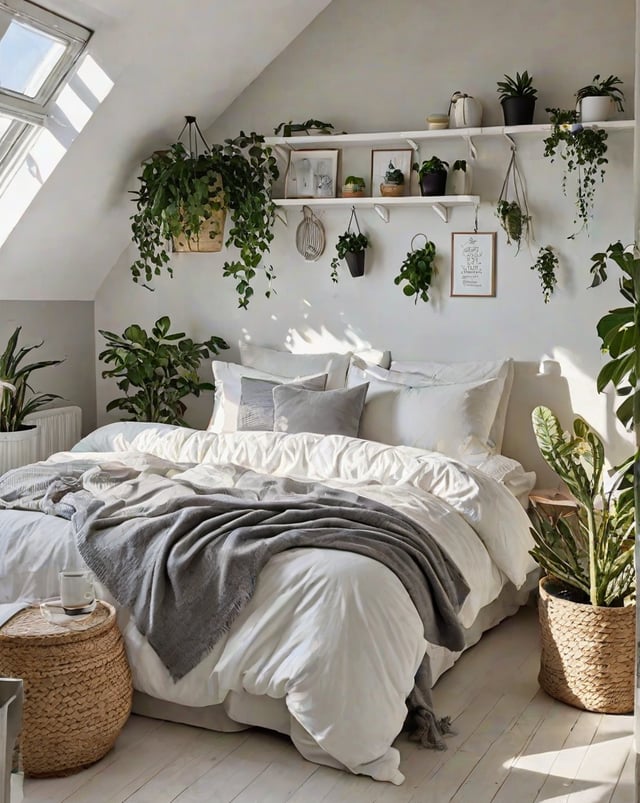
[53,611]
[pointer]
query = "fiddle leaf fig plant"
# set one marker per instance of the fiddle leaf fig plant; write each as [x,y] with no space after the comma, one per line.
[417,271]
[583,152]
[156,370]
[179,192]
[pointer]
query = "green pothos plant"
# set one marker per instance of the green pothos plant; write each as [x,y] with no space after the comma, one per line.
[348,243]
[417,270]
[583,151]
[547,265]
[179,192]
[156,370]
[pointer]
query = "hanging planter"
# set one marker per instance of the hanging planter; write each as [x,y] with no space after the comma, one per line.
[417,270]
[351,247]
[513,209]
[547,266]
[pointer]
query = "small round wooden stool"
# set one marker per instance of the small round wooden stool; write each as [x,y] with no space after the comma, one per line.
[77,687]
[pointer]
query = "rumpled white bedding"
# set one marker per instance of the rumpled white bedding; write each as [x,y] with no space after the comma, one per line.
[333,633]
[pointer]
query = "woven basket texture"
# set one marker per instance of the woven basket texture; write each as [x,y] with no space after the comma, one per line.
[588,654]
[203,242]
[77,688]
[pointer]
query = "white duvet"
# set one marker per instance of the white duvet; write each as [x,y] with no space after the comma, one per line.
[333,633]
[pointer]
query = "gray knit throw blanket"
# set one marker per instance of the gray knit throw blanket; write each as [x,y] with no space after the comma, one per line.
[165,548]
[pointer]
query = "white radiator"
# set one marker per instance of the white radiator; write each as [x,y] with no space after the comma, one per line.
[59,428]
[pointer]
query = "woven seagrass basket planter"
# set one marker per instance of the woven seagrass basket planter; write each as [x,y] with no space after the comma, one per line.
[77,688]
[588,653]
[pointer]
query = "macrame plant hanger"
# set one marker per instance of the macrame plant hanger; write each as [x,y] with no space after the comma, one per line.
[353,219]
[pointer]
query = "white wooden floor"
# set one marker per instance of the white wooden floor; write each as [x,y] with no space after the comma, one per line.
[513,745]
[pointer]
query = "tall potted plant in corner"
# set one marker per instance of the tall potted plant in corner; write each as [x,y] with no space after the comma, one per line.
[19,441]
[518,99]
[156,370]
[180,193]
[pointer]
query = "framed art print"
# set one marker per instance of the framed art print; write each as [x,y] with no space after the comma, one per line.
[312,174]
[473,263]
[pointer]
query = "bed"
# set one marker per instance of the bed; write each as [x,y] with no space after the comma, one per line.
[328,647]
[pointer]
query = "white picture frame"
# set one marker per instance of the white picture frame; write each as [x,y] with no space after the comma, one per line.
[402,159]
[473,263]
[312,173]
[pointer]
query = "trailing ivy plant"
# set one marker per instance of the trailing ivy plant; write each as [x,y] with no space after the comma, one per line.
[417,271]
[179,192]
[583,151]
[547,264]
[349,242]
[156,371]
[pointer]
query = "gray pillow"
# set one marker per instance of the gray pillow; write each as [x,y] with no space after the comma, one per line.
[334,412]
[255,412]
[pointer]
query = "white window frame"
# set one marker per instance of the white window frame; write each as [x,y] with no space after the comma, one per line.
[29,114]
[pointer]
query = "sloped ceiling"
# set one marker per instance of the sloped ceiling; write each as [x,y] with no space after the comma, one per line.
[167,59]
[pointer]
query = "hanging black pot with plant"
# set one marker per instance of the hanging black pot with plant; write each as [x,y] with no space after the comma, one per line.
[352,248]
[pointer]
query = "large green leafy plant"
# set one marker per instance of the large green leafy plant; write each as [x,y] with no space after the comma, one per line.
[590,551]
[156,371]
[17,398]
[180,192]
[417,271]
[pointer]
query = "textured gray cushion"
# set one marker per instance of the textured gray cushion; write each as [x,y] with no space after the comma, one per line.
[334,412]
[256,400]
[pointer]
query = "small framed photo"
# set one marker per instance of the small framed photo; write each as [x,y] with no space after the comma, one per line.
[473,263]
[385,161]
[312,174]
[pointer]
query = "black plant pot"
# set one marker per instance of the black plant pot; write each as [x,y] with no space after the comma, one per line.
[518,111]
[355,262]
[433,183]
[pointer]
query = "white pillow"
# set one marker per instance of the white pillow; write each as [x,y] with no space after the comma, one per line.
[440,373]
[287,364]
[226,399]
[453,419]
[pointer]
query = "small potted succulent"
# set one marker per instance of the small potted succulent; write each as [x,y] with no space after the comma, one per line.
[596,100]
[393,184]
[353,187]
[351,247]
[518,99]
[433,176]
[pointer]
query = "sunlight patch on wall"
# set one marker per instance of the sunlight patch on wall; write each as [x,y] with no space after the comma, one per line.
[68,117]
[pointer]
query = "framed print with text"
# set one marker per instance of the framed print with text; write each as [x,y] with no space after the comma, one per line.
[473,263]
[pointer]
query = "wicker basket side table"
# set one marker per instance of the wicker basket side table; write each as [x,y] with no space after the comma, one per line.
[77,687]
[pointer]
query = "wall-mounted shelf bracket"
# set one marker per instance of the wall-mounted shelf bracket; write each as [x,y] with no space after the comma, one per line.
[473,153]
[382,212]
[413,144]
[441,211]
[510,140]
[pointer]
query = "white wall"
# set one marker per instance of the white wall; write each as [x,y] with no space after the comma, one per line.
[369,65]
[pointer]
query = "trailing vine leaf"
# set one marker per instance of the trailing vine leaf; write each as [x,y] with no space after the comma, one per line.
[547,264]
[583,151]
[417,271]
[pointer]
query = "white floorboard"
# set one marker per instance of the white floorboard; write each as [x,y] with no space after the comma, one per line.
[512,744]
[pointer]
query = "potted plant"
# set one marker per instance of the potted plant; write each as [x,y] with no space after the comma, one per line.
[393,184]
[180,193]
[351,247]
[433,176]
[518,99]
[460,178]
[307,127]
[586,615]
[513,208]
[156,371]
[353,187]
[583,152]
[596,100]
[417,270]
[547,265]
[19,441]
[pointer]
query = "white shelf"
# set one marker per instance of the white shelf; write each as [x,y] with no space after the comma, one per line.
[439,203]
[414,137]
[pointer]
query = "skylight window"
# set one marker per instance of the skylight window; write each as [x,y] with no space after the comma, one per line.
[27,56]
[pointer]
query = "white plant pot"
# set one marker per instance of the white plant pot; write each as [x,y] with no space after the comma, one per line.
[595,109]
[18,448]
[459,182]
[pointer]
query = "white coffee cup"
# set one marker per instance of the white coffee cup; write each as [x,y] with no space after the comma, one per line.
[76,589]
